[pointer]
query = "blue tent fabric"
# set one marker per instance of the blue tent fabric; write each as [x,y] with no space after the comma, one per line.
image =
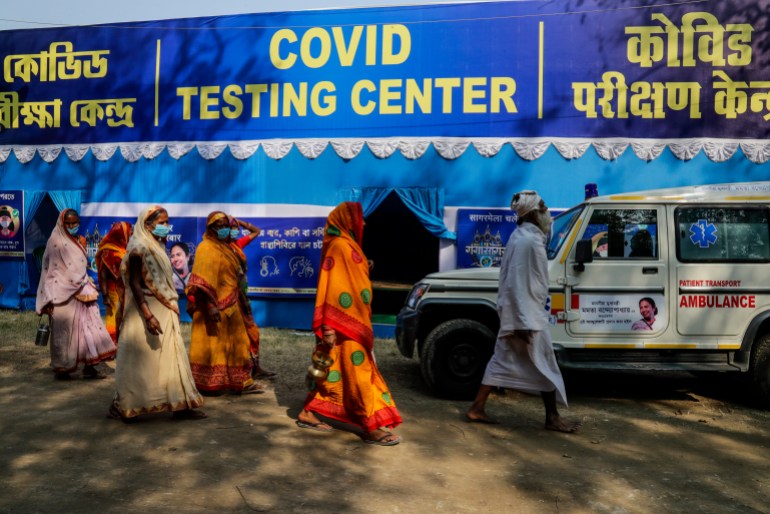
[66,199]
[32,200]
[426,203]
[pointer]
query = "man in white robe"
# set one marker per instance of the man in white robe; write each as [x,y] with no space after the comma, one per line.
[524,358]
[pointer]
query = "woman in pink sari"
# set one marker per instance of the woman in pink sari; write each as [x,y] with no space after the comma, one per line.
[69,296]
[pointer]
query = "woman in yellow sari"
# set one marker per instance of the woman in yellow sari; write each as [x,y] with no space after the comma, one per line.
[112,248]
[220,341]
[352,390]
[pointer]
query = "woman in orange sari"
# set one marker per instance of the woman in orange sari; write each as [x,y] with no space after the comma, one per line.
[351,390]
[220,341]
[108,257]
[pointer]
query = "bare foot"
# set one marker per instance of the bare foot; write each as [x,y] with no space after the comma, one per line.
[305,416]
[560,424]
[475,416]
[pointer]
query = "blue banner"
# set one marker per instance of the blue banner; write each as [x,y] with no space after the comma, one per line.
[584,69]
[482,235]
[282,260]
[12,224]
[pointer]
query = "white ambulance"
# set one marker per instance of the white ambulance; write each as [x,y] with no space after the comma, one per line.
[671,279]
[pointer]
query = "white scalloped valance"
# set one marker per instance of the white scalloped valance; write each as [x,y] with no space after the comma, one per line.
[718,150]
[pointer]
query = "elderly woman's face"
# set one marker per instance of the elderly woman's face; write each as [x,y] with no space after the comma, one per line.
[71,220]
[160,219]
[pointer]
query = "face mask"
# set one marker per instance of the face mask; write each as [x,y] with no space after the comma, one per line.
[234,233]
[223,233]
[5,223]
[161,230]
[74,230]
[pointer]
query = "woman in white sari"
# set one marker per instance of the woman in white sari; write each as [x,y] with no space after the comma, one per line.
[153,371]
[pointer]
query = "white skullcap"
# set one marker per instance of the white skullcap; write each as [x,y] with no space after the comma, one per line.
[525,202]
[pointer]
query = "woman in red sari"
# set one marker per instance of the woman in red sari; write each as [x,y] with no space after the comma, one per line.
[68,295]
[352,390]
[111,250]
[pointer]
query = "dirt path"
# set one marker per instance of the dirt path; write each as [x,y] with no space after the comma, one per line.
[662,443]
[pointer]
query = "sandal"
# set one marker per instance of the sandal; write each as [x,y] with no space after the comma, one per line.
[382,440]
[114,413]
[92,373]
[253,389]
[62,376]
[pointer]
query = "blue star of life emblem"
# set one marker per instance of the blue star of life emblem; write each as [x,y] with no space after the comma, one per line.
[704,234]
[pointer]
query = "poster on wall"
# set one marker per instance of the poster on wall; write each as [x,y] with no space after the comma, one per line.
[12,224]
[482,235]
[621,313]
[283,260]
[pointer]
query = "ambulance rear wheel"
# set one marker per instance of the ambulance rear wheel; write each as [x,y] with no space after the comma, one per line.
[760,369]
[454,358]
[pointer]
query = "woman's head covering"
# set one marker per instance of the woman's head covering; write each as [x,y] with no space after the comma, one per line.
[64,266]
[525,202]
[346,221]
[156,266]
[114,244]
[214,217]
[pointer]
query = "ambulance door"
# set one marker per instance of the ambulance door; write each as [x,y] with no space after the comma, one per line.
[723,256]
[621,296]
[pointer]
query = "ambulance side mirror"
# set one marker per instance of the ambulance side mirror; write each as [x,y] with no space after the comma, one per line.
[584,252]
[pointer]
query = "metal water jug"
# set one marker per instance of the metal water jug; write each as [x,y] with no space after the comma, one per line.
[43,331]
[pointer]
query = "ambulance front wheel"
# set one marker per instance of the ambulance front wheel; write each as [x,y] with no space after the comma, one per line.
[454,357]
[760,369]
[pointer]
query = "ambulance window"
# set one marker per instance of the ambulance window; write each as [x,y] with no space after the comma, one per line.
[623,233]
[722,234]
[562,225]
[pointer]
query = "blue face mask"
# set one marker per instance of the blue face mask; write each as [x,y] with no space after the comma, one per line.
[161,230]
[234,233]
[223,233]
[74,230]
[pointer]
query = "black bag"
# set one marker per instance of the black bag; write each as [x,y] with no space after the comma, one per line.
[43,332]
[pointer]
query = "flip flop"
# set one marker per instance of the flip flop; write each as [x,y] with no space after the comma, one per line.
[318,427]
[253,389]
[382,442]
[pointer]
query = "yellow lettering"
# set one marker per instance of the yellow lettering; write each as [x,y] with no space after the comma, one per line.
[255,90]
[207,101]
[389,93]
[326,105]
[347,53]
[389,32]
[275,49]
[423,98]
[274,100]
[470,93]
[234,107]
[355,97]
[306,46]
[371,45]
[291,98]
[186,93]
[446,85]
[501,92]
